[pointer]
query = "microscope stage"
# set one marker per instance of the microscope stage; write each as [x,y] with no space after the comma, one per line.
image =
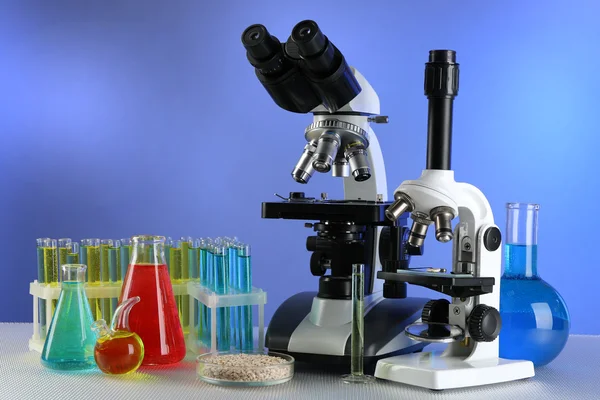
[360,212]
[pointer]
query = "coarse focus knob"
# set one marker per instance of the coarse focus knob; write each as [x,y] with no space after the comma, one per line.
[484,323]
[436,311]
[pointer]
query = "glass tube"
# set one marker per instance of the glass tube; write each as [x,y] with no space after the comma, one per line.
[64,246]
[73,253]
[244,284]
[221,287]
[45,256]
[89,252]
[185,278]
[194,273]
[521,240]
[357,346]
[125,255]
[105,304]
[114,270]
[205,264]
[175,265]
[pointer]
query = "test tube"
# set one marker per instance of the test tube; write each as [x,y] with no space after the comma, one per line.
[64,245]
[175,273]
[114,270]
[105,304]
[185,278]
[73,253]
[232,270]
[89,253]
[244,284]
[205,264]
[221,287]
[46,255]
[168,244]
[194,273]
[125,256]
[357,339]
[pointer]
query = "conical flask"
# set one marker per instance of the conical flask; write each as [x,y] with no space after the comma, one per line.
[155,318]
[70,341]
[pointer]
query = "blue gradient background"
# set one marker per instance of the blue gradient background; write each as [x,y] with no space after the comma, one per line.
[126,117]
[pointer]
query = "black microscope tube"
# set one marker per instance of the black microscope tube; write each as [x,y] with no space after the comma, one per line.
[441,87]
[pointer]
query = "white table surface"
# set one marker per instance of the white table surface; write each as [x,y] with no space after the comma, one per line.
[575,374]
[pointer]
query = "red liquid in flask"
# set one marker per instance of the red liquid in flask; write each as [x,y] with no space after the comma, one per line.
[155,318]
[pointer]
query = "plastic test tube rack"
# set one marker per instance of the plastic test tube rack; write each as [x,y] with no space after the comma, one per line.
[197,293]
[213,301]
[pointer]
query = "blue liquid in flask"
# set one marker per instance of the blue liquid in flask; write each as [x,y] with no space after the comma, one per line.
[535,319]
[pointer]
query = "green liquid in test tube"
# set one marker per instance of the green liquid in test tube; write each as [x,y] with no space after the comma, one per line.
[114,270]
[185,278]
[175,273]
[73,253]
[89,252]
[168,245]
[194,273]
[46,259]
[105,304]
[125,252]
[64,246]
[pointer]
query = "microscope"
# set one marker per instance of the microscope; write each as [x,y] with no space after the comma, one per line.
[470,323]
[309,74]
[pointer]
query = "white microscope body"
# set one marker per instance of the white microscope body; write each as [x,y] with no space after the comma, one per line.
[467,362]
[471,323]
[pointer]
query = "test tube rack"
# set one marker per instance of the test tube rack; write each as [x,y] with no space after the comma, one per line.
[198,294]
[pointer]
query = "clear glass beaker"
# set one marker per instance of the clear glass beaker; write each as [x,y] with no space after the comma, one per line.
[70,340]
[155,319]
[535,318]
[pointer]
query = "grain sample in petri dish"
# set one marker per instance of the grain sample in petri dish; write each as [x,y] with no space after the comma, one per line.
[245,369]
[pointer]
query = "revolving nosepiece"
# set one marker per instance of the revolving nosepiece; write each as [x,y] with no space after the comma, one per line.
[401,205]
[359,163]
[303,170]
[327,148]
[442,217]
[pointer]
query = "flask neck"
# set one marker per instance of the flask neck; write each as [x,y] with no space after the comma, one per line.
[148,250]
[521,240]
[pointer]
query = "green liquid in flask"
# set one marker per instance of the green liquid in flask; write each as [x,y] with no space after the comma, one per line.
[70,341]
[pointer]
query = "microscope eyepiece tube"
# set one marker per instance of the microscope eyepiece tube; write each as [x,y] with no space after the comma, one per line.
[359,163]
[303,170]
[340,168]
[259,42]
[327,148]
[442,217]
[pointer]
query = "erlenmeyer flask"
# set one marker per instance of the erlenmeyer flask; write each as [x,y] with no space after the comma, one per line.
[155,319]
[70,341]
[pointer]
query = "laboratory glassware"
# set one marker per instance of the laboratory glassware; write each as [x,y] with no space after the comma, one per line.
[357,339]
[535,318]
[155,319]
[118,350]
[89,254]
[47,263]
[70,341]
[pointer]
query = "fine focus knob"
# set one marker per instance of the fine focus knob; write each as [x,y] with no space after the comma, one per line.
[484,323]
[436,311]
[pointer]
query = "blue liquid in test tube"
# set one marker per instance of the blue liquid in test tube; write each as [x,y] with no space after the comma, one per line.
[244,284]
[221,287]
[232,257]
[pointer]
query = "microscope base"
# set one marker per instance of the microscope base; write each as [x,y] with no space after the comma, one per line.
[293,330]
[431,371]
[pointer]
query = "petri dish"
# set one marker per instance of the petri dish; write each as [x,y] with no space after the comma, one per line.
[245,368]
